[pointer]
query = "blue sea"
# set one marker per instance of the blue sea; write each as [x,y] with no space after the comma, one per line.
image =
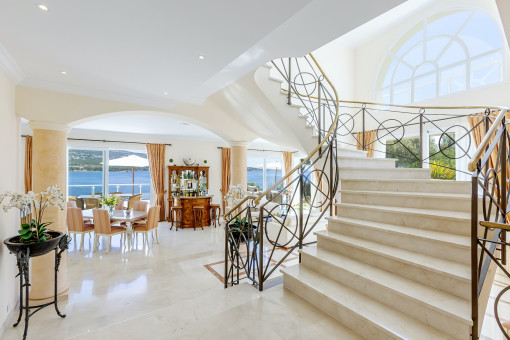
[81,182]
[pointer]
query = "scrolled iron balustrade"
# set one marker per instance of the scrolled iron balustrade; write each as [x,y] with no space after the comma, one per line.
[276,220]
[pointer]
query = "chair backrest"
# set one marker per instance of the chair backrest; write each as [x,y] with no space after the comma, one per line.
[71,198]
[140,206]
[120,204]
[133,199]
[74,219]
[153,217]
[102,223]
[79,203]
[71,204]
[92,202]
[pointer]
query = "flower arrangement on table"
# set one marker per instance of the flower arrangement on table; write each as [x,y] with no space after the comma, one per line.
[110,201]
[32,207]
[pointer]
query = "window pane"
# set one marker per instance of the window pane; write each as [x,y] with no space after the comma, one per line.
[487,69]
[273,170]
[413,40]
[434,46]
[403,72]
[442,163]
[425,87]
[452,80]
[386,97]
[256,171]
[452,55]
[402,93]
[415,56]
[449,24]
[389,74]
[120,178]
[85,172]
[407,151]
[481,34]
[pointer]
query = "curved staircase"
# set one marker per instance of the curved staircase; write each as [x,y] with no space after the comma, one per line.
[394,262]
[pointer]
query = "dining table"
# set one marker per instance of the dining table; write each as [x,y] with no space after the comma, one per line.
[121,216]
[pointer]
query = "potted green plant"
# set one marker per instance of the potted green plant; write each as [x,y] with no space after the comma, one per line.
[171,160]
[205,161]
[241,230]
[34,233]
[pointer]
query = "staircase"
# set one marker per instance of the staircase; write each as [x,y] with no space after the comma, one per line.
[394,262]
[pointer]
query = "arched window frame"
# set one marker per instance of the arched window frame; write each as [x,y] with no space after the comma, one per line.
[392,52]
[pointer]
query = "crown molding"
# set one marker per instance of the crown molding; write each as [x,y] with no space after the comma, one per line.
[9,66]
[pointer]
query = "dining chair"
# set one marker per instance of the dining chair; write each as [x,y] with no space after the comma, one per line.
[77,225]
[133,199]
[92,202]
[71,204]
[120,205]
[139,206]
[103,227]
[79,203]
[151,225]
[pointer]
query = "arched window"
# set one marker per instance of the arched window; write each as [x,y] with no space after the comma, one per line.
[444,54]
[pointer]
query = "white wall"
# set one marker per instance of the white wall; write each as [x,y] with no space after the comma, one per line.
[10,173]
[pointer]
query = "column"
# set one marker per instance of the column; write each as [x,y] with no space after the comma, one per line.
[239,164]
[49,167]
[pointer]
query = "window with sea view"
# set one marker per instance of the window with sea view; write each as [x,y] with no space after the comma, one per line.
[264,170]
[87,172]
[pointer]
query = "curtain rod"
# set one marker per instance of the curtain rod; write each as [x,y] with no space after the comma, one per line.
[221,147]
[104,141]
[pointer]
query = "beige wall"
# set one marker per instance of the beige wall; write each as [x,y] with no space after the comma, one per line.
[9,181]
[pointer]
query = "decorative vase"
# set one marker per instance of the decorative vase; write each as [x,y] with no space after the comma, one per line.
[111,209]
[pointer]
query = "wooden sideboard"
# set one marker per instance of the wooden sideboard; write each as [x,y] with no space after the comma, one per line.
[188,219]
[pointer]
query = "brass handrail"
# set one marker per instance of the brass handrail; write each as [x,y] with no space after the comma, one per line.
[483,144]
[295,169]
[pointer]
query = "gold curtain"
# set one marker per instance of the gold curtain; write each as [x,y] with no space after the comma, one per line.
[225,174]
[28,164]
[287,163]
[369,142]
[156,156]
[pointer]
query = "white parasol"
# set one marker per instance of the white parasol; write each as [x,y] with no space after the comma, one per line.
[132,161]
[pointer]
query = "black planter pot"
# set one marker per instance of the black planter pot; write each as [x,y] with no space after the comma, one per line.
[236,233]
[36,249]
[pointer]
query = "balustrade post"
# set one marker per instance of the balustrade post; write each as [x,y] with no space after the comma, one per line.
[301,197]
[474,252]
[504,165]
[331,193]
[261,248]
[421,138]
[363,127]
[319,115]
[289,98]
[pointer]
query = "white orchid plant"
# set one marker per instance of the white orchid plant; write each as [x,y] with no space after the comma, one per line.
[35,230]
[235,195]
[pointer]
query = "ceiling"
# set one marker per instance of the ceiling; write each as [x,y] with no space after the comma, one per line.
[146,52]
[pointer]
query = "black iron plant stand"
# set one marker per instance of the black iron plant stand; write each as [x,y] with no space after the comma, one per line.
[22,261]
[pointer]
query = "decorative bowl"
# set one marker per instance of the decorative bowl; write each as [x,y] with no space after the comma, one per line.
[188,161]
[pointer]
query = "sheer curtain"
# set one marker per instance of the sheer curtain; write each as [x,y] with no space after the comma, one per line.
[156,157]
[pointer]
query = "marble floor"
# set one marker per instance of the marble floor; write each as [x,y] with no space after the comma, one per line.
[166,292]
[170,292]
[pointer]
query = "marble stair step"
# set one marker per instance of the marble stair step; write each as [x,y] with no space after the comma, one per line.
[365,162]
[434,243]
[351,153]
[407,185]
[455,222]
[445,312]
[377,173]
[368,317]
[451,277]
[420,200]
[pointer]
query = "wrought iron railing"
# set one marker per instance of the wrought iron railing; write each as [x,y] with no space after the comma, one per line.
[263,231]
[489,245]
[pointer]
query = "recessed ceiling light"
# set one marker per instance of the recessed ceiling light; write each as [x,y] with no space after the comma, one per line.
[43,7]
[63,72]
[165,93]
[201,57]
[184,123]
